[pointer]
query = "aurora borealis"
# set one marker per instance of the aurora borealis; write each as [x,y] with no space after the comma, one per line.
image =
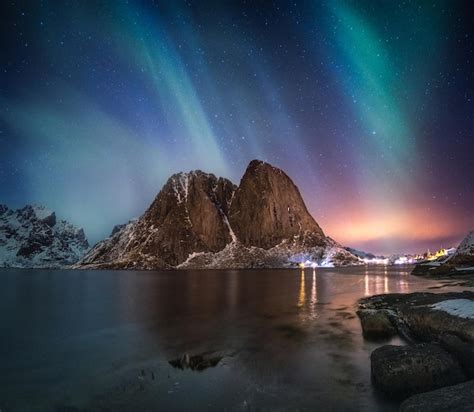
[367,105]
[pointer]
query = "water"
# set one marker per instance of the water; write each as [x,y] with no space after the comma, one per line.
[101,340]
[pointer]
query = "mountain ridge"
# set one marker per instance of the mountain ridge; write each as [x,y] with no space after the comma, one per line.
[198,220]
[33,237]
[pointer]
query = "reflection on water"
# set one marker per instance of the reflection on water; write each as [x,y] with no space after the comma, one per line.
[102,340]
[381,282]
[302,295]
[314,297]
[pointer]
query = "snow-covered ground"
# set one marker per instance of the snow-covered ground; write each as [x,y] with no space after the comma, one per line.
[463,308]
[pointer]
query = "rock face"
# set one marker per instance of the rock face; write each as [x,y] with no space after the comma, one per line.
[201,221]
[401,371]
[189,215]
[459,398]
[268,208]
[33,237]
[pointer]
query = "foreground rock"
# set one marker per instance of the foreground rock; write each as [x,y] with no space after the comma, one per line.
[463,351]
[32,237]
[401,371]
[428,315]
[444,320]
[459,398]
[201,221]
[376,324]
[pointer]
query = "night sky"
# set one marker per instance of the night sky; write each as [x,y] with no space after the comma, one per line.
[368,106]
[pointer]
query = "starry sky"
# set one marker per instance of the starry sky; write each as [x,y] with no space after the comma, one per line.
[367,105]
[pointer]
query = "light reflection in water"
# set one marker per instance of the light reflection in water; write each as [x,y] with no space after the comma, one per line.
[376,285]
[314,297]
[403,286]
[302,291]
[366,278]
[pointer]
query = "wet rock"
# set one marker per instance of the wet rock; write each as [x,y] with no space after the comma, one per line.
[196,362]
[459,398]
[428,323]
[421,320]
[401,371]
[462,351]
[376,324]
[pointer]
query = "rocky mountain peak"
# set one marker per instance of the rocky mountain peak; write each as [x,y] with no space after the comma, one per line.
[200,220]
[467,245]
[267,209]
[464,254]
[33,237]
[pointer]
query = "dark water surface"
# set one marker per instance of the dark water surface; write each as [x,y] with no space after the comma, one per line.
[101,340]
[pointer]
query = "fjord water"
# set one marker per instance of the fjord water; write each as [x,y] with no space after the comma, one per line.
[101,340]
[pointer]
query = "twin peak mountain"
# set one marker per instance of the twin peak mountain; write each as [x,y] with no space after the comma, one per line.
[201,221]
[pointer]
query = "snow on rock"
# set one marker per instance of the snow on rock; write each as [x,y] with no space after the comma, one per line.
[464,255]
[463,308]
[198,220]
[466,247]
[32,237]
[286,254]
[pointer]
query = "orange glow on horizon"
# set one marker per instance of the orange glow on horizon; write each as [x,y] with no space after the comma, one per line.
[363,226]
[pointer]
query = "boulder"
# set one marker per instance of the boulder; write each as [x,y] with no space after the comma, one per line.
[461,350]
[459,398]
[401,371]
[376,324]
[424,315]
[428,323]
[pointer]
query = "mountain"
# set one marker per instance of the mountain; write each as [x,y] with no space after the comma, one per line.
[464,254]
[189,215]
[267,209]
[34,237]
[361,254]
[200,221]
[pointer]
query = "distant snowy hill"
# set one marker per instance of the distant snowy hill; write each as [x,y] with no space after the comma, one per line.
[32,237]
[360,253]
[464,254]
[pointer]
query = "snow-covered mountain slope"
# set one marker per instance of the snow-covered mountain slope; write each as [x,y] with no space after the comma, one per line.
[188,215]
[286,254]
[201,221]
[32,237]
[464,254]
[360,253]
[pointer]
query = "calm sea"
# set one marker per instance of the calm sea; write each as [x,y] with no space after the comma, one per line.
[101,340]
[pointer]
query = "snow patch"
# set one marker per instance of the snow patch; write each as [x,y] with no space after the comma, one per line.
[463,308]
[41,212]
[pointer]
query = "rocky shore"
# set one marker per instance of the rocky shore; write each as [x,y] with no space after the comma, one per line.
[459,266]
[434,371]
